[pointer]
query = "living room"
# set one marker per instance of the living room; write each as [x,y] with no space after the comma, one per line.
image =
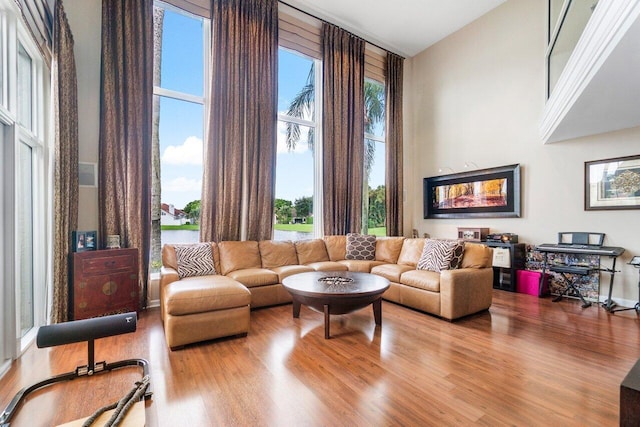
[476,97]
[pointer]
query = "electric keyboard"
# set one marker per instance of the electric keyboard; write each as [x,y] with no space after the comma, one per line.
[567,248]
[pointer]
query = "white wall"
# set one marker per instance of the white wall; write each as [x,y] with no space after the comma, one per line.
[85,19]
[478,96]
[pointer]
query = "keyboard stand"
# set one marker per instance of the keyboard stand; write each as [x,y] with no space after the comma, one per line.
[574,270]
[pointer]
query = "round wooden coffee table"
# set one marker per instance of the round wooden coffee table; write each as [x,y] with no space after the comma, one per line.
[336,292]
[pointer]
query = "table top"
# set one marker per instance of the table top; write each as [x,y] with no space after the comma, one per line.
[319,283]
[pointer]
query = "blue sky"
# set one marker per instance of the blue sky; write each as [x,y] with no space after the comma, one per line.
[181,123]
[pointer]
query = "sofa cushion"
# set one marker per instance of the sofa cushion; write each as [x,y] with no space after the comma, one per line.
[361,246]
[422,279]
[439,255]
[277,253]
[411,251]
[360,265]
[204,293]
[194,260]
[391,272]
[288,270]
[328,266]
[476,255]
[309,251]
[169,256]
[336,247]
[388,249]
[239,255]
[252,277]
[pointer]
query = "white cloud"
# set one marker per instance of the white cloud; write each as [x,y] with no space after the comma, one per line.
[189,153]
[301,145]
[182,184]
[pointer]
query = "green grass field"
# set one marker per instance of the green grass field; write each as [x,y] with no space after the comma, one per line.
[308,228]
[303,228]
[180,227]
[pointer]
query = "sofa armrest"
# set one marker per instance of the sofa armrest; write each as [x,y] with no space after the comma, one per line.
[465,291]
[167,275]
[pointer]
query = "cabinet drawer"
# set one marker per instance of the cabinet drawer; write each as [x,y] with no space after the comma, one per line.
[112,264]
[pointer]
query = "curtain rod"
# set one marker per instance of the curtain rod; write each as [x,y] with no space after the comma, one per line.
[327,22]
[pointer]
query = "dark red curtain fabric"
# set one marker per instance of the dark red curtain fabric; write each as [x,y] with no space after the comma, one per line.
[65,164]
[343,130]
[126,127]
[239,159]
[394,165]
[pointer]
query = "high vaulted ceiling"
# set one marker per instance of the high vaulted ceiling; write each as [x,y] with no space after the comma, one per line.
[405,27]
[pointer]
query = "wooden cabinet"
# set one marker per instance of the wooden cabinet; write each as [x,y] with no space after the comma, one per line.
[103,282]
[505,278]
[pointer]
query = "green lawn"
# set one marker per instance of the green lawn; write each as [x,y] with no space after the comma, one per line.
[180,227]
[304,228]
[308,228]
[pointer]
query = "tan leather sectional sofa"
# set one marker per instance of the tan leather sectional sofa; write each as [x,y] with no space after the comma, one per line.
[250,275]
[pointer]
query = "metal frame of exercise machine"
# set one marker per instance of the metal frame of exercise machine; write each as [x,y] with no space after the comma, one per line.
[77,331]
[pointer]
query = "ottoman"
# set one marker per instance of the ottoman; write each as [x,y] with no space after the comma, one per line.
[203,308]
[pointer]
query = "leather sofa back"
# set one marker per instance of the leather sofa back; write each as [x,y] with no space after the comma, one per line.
[277,253]
[170,260]
[476,255]
[239,255]
[336,247]
[411,251]
[388,249]
[313,250]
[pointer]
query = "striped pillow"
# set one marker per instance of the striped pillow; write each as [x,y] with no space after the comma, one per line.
[439,255]
[194,260]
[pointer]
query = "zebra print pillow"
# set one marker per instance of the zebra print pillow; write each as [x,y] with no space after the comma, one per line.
[194,260]
[439,255]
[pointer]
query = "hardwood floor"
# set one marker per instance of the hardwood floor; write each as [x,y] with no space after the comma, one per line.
[527,361]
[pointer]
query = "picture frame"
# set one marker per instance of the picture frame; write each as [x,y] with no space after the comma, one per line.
[483,193]
[612,184]
[84,241]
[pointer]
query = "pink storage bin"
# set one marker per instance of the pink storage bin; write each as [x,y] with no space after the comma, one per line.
[528,281]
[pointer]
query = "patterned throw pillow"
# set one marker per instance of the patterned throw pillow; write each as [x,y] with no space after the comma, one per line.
[194,260]
[361,247]
[439,255]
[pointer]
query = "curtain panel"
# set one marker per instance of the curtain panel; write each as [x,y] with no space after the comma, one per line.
[394,152]
[343,130]
[126,127]
[65,163]
[239,156]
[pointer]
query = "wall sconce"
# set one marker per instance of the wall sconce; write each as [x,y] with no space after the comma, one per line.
[467,165]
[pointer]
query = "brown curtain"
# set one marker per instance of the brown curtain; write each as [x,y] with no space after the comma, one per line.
[261,117]
[343,130]
[394,168]
[126,127]
[239,156]
[65,173]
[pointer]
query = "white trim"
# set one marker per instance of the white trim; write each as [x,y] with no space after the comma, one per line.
[303,122]
[608,24]
[318,178]
[181,96]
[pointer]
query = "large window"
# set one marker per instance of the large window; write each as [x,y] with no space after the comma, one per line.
[373,198]
[22,185]
[296,207]
[566,22]
[180,46]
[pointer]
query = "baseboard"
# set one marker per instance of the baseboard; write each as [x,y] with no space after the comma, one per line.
[619,301]
[156,303]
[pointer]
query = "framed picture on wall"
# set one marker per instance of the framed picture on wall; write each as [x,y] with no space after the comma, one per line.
[612,184]
[84,241]
[484,193]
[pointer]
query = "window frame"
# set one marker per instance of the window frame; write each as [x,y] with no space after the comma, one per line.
[188,97]
[316,124]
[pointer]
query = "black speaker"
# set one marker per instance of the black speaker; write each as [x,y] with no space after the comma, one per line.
[86,330]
